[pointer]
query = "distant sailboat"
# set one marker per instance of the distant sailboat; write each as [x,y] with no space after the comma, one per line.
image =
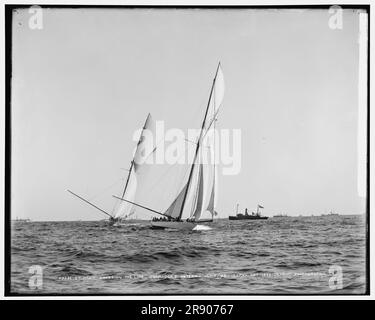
[124,210]
[197,196]
[21,220]
[280,216]
[331,213]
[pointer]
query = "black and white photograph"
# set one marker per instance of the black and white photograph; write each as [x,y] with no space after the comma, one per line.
[187,150]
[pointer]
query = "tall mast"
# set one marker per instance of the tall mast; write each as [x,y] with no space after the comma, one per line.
[127,180]
[198,144]
[214,151]
[132,162]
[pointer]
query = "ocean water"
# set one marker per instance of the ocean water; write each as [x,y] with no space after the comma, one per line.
[290,255]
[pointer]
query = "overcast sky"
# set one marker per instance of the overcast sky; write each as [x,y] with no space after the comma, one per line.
[86,81]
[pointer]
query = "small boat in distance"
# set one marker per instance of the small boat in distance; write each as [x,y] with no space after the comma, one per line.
[330,214]
[280,216]
[21,220]
[246,216]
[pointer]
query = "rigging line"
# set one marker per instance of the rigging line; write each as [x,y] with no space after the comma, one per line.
[116,205]
[175,183]
[91,204]
[153,151]
[138,205]
[180,185]
[187,140]
[183,180]
[105,189]
[208,147]
[166,172]
[156,147]
[201,105]
[213,120]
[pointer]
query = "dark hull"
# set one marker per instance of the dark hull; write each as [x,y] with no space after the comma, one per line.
[247,218]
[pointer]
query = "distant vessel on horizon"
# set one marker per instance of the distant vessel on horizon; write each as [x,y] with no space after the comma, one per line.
[21,220]
[280,216]
[253,216]
[330,214]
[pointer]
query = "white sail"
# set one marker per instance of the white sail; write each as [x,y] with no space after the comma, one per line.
[209,146]
[199,195]
[213,195]
[146,144]
[205,187]
[159,185]
[174,209]
[123,208]
[210,201]
[184,182]
[144,147]
[191,197]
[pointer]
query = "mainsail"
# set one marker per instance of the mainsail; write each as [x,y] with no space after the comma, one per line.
[212,203]
[199,195]
[146,144]
[124,209]
[210,137]
[204,189]
[211,185]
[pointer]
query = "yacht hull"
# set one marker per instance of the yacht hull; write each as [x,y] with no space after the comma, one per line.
[179,225]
